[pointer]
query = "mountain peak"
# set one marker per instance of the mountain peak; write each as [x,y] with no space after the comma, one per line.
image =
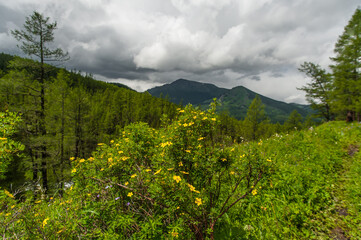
[235,101]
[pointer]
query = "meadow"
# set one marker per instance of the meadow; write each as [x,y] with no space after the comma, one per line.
[184,181]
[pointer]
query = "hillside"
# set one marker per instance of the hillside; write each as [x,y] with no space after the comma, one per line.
[235,101]
[149,184]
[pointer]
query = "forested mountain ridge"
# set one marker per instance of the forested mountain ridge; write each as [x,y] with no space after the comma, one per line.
[235,101]
[79,112]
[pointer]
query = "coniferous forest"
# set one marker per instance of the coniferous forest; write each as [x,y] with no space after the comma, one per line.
[86,159]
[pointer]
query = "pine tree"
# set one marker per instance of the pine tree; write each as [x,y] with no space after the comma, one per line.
[35,37]
[347,68]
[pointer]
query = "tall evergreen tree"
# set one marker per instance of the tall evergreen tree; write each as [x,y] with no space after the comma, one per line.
[347,68]
[35,38]
[318,92]
[255,119]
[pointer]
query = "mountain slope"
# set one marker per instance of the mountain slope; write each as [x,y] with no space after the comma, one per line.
[185,91]
[235,101]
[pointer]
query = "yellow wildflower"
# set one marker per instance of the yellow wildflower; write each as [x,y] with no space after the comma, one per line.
[134,175]
[177,178]
[148,170]
[181,111]
[205,118]
[200,139]
[180,164]
[254,192]
[232,172]
[9,194]
[45,222]
[198,201]
[74,170]
[188,151]
[81,160]
[102,169]
[174,234]
[224,159]
[269,160]
[213,119]
[59,231]
[157,172]
[130,194]
[100,144]
[72,158]
[126,183]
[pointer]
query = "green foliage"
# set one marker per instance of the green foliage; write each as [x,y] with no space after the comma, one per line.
[254,123]
[318,92]
[181,182]
[294,122]
[8,147]
[346,68]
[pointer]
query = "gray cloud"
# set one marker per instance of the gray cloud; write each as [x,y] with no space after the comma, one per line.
[258,44]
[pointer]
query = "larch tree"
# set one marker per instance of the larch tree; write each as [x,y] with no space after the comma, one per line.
[318,91]
[347,69]
[35,38]
[255,119]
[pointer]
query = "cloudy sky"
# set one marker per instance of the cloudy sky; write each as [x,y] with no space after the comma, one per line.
[146,43]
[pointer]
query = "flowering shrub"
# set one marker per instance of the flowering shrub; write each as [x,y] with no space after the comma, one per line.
[159,184]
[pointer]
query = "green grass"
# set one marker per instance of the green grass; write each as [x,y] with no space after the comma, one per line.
[314,192]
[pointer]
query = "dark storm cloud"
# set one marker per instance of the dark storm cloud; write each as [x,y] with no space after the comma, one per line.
[258,44]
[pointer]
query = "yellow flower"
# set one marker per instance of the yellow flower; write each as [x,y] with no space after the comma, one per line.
[177,178]
[112,141]
[102,169]
[148,170]
[180,164]
[157,172]
[9,194]
[45,222]
[134,175]
[59,231]
[193,189]
[100,144]
[185,125]
[81,160]
[74,170]
[12,206]
[126,183]
[188,151]
[200,139]
[4,139]
[184,172]
[181,111]
[120,152]
[224,159]
[205,118]
[72,158]
[174,234]
[166,144]
[198,201]
[232,172]
[130,194]
[269,160]
[254,192]
[213,119]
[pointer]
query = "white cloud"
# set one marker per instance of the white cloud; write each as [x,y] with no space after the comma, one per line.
[226,42]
